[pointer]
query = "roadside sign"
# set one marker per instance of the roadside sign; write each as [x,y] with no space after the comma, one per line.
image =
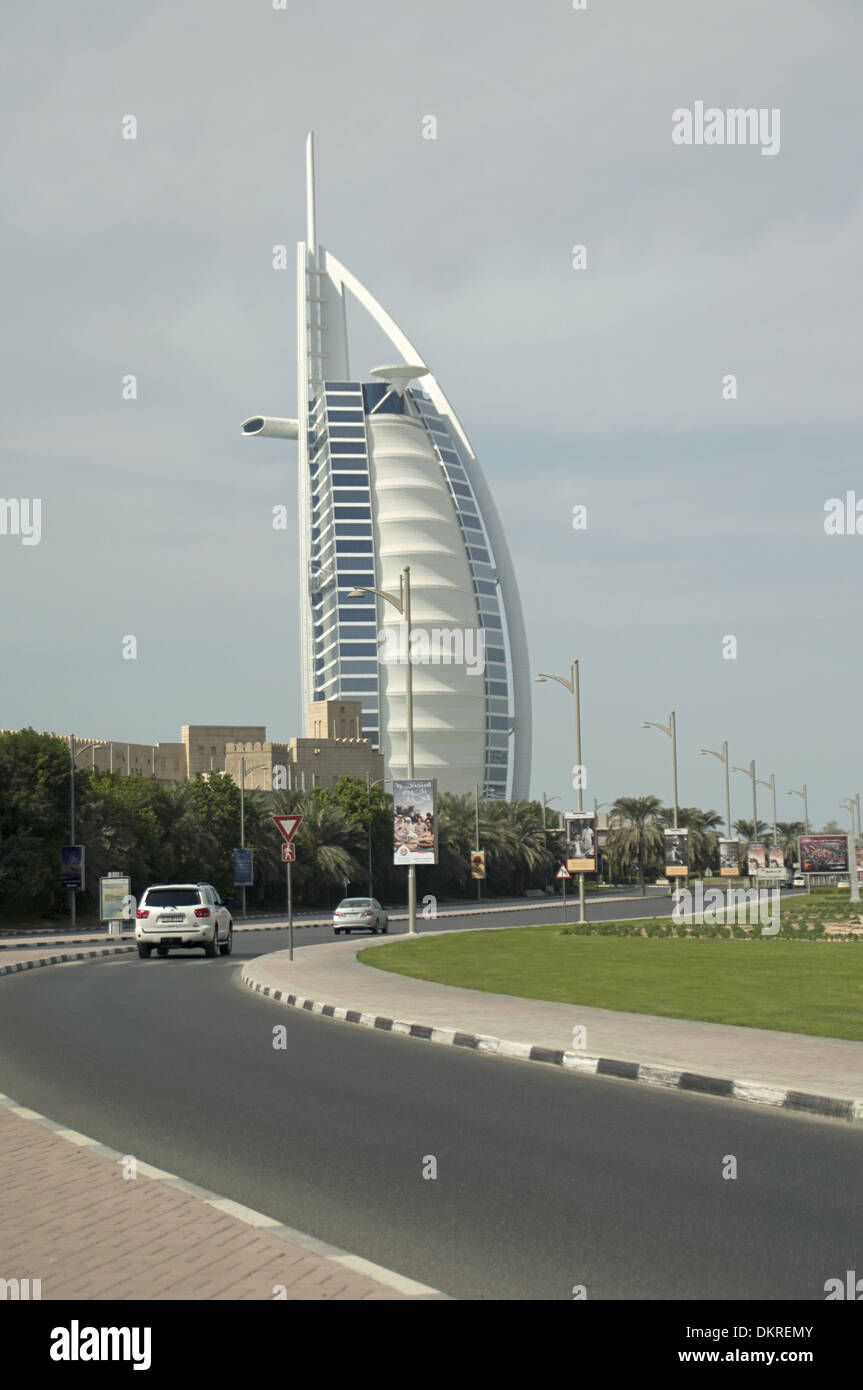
[563,872]
[115,892]
[477,863]
[287,826]
[72,867]
[289,854]
[244,874]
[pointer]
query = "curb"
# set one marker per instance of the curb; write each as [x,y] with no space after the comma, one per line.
[651,1074]
[58,960]
[259,1220]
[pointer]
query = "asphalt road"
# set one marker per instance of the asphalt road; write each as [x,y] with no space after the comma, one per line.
[544,1180]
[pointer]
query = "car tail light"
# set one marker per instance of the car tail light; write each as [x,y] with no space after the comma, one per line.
[142,912]
[202,912]
[368,912]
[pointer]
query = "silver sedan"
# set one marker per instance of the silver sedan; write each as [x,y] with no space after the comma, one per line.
[363,913]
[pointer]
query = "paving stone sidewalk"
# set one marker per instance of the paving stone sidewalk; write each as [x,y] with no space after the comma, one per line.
[330,975]
[70,1219]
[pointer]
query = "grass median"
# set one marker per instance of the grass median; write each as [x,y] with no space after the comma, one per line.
[791,986]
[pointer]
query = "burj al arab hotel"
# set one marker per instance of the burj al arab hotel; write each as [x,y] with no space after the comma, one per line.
[388,479]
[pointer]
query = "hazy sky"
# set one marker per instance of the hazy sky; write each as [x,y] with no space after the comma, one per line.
[600,386]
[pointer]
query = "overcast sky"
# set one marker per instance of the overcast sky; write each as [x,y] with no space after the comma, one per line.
[600,386]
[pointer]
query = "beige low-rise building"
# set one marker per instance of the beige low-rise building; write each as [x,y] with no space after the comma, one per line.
[335,750]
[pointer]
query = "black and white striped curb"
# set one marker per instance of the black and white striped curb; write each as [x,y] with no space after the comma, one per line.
[267,1224]
[61,960]
[652,1074]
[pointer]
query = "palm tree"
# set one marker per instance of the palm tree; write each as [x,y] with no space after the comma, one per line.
[789,832]
[636,833]
[515,843]
[744,828]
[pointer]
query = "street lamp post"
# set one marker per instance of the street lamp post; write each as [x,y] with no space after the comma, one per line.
[805,805]
[771,786]
[671,730]
[750,772]
[476,811]
[379,781]
[723,758]
[573,687]
[402,605]
[88,743]
[853,877]
[243,820]
[597,807]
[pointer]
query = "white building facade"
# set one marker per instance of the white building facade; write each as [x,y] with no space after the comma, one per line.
[388,479]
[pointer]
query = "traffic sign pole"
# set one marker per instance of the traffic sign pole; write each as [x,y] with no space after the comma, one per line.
[290,913]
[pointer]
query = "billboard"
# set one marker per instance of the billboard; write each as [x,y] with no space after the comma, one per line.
[776,857]
[729,858]
[115,893]
[580,842]
[72,866]
[676,853]
[477,863]
[756,857]
[823,854]
[414,822]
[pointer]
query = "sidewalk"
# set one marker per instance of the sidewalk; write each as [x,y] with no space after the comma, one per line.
[788,1070]
[70,1219]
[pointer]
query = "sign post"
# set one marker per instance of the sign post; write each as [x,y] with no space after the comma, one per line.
[563,873]
[287,827]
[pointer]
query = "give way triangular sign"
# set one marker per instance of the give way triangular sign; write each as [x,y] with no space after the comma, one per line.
[287,826]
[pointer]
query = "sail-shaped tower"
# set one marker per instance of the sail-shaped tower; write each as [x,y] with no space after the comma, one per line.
[387,478]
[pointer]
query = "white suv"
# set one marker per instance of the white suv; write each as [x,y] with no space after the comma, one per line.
[183,914]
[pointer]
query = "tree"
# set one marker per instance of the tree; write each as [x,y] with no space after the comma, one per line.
[789,832]
[34,819]
[636,834]
[744,828]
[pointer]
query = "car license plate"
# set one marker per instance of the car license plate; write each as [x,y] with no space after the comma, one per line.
[177,918]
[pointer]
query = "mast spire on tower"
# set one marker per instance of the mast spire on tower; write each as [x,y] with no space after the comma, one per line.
[311,238]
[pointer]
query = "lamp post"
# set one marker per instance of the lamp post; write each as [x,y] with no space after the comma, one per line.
[597,807]
[572,685]
[402,605]
[723,758]
[378,782]
[243,819]
[850,802]
[750,772]
[771,786]
[671,730]
[87,743]
[476,812]
[806,805]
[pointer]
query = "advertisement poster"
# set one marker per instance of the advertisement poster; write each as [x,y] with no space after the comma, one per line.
[756,857]
[244,873]
[729,858]
[776,857]
[676,853]
[580,842]
[114,898]
[823,854]
[414,822]
[72,866]
[477,863]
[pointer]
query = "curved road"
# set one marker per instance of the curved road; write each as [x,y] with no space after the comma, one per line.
[545,1180]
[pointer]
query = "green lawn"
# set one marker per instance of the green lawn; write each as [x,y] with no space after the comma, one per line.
[793,986]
